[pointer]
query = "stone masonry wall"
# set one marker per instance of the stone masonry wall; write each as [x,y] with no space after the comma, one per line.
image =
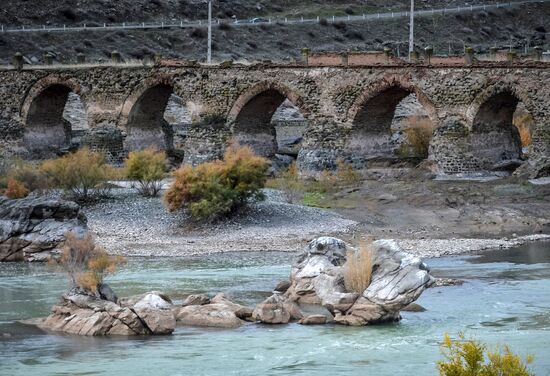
[329,98]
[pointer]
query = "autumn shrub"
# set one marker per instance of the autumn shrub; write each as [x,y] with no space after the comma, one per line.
[217,188]
[358,268]
[83,174]
[15,189]
[86,263]
[148,168]
[471,358]
[419,135]
[346,174]
[29,175]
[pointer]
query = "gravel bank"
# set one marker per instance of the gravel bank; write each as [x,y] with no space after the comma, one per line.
[131,225]
[446,247]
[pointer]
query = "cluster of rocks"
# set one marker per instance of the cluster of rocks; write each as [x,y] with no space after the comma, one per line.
[88,315]
[32,228]
[315,294]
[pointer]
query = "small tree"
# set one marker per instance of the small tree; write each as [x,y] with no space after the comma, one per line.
[86,263]
[148,167]
[468,358]
[82,174]
[358,268]
[214,189]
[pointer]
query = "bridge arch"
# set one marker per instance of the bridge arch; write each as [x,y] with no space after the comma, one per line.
[500,124]
[142,115]
[47,132]
[251,116]
[379,133]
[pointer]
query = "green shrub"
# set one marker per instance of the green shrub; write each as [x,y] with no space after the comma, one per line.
[214,189]
[148,168]
[471,358]
[82,174]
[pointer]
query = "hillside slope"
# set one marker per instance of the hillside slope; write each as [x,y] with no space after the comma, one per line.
[27,12]
[521,26]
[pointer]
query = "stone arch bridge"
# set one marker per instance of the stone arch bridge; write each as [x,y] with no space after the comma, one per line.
[348,107]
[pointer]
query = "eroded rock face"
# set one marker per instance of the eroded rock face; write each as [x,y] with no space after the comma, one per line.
[32,228]
[87,315]
[398,279]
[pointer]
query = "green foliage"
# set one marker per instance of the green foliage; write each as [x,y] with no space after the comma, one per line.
[148,168]
[314,199]
[471,358]
[214,189]
[82,174]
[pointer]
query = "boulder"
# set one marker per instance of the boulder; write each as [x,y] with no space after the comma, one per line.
[276,310]
[220,312]
[313,320]
[106,293]
[32,228]
[156,312]
[200,299]
[317,278]
[85,314]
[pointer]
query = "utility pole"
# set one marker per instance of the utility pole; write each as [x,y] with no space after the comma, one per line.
[411,31]
[209,54]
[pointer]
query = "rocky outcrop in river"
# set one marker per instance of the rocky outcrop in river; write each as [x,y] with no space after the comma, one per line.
[315,295]
[32,228]
[87,315]
[317,279]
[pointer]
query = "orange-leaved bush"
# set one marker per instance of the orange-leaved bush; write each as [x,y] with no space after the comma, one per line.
[217,188]
[86,263]
[15,189]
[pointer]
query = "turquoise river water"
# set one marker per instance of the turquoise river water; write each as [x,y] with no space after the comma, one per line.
[506,299]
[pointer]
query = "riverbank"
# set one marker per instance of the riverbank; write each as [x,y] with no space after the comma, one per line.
[427,218]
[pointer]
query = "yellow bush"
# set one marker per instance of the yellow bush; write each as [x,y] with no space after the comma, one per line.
[86,263]
[148,168]
[358,268]
[217,188]
[16,189]
[471,358]
[419,135]
[82,174]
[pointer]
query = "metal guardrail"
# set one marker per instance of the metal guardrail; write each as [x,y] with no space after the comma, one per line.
[260,20]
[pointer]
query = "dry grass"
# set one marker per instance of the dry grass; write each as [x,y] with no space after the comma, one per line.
[358,268]
[419,134]
[346,174]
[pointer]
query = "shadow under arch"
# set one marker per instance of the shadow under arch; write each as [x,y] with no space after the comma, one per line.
[142,115]
[252,113]
[375,135]
[46,131]
[494,137]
